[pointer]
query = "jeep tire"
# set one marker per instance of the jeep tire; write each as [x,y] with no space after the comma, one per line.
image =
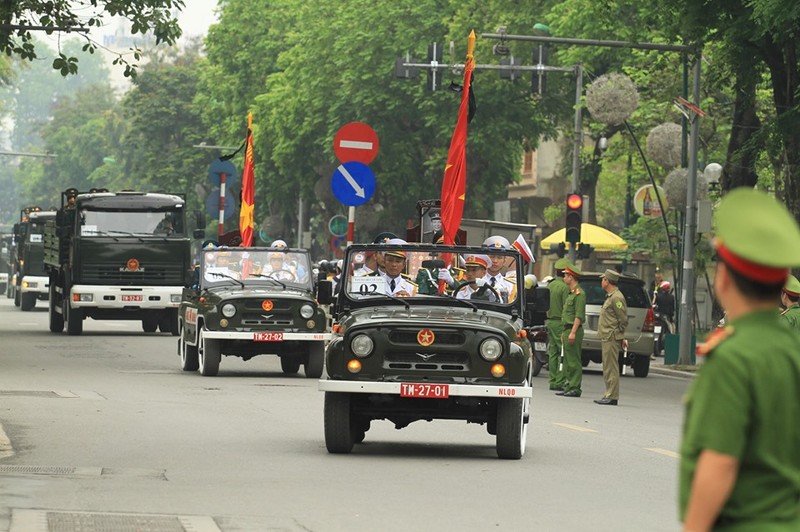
[209,356]
[338,423]
[188,354]
[290,364]
[315,360]
[512,428]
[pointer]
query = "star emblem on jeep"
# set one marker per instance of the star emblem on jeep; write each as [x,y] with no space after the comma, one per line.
[267,305]
[425,337]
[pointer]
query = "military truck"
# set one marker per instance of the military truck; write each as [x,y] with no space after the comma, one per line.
[29,280]
[117,256]
[6,239]
[404,356]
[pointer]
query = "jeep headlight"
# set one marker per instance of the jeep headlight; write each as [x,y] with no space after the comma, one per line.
[228,310]
[306,311]
[361,345]
[491,349]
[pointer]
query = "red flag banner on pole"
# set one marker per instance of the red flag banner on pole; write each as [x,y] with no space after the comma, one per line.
[246,224]
[454,186]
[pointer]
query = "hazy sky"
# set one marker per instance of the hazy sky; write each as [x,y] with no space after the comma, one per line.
[197,16]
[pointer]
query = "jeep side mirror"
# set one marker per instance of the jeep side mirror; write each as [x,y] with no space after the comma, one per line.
[537,303]
[324,292]
[199,234]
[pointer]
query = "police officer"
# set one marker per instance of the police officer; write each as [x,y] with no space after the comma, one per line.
[494,273]
[573,316]
[611,330]
[475,272]
[397,283]
[740,465]
[558,293]
[790,295]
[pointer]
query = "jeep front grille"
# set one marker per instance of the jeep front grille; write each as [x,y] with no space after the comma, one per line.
[405,336]
[427,361]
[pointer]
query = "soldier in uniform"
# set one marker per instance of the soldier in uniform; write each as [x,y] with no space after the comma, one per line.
[611,330]
[740,465]
[558,293]
[494,273]
[475,272]
[573,316]
[397,283]
[790,295]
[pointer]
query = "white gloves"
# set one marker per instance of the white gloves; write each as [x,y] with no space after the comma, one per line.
[480,281]
[444,275]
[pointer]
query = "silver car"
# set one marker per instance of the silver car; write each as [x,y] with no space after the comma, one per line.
[641,322]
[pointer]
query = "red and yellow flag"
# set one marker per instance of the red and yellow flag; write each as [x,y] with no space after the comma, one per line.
[246,224]
[454,186]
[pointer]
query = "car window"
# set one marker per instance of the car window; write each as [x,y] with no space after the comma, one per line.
[634,293]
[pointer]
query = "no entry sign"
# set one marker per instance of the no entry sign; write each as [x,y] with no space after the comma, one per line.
[355,141]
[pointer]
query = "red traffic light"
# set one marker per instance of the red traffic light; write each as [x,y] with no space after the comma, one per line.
[574,201]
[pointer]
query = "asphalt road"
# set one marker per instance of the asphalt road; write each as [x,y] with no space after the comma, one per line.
[104,430]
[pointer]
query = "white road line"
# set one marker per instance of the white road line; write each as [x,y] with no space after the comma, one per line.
[6,449]
[665,452]
[574,427]
[25,520]
[355,144]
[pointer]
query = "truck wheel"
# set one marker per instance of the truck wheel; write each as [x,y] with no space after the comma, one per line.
[315,362]
[16,297]
[209,356]
[641,365]
[74,320]
[189,359]
[56,319]
[512,428]
[290,364]
[169,322]
[27,302]
[338,424]
[150,324]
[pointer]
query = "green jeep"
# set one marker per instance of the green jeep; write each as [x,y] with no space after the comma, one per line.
[252,301]
[403,355]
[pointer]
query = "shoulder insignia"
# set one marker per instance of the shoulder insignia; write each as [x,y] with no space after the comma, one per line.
[714,339]
[459,270]
[412,283]
[619,304]
[785,311]
[405,276]
[577,291]
[373,274]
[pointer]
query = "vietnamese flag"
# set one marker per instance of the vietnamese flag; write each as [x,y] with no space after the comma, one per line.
[246,224]
[454,186]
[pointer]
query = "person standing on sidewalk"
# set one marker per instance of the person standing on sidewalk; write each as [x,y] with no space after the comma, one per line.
[611,330]
[573,316]
[740,466]
[558,293]
[790,295]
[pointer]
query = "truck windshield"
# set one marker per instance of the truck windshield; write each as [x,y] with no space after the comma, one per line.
[133,223]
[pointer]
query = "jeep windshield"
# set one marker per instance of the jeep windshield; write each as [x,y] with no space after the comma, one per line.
[384,274]
[256,267]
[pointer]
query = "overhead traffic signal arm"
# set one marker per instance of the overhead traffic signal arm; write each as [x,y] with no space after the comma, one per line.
[574,218]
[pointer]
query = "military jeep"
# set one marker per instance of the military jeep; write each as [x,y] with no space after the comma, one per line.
[252,301]
[411,356]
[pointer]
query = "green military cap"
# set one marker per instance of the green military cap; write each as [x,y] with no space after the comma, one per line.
[561,263]
[611,275]
[792,286]
[756,236]
[572,270]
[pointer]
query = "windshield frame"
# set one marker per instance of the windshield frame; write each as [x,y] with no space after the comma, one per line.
[297,262]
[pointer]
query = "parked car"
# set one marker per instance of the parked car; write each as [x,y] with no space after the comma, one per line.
[641,322]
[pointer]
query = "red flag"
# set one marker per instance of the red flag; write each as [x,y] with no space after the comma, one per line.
[454,186]
[248,188]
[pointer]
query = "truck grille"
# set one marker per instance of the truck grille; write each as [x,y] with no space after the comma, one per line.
[151,274]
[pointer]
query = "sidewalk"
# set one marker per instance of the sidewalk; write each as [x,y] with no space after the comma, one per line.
[674,370]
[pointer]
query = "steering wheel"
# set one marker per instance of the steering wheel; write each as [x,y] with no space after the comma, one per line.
[283,275]
[479,292]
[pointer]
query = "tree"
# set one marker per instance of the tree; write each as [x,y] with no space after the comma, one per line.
[19,19]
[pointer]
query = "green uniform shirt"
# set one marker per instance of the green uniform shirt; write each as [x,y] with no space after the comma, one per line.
[613,317]
[574,306]
[744,403]
[558,293]
[791,317]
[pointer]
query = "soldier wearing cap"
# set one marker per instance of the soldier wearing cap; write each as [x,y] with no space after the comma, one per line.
[558,293]
[740,465]
[494,273]
[475,273]
[611,330]
[397,283]
[573,316]
[790,295]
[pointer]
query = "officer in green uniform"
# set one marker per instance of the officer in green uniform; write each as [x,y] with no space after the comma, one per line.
[573,316]
[740,454]
[790,295]
[558,293]
[611,331]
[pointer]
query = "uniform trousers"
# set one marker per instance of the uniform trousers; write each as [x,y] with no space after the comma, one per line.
[573,368]
[611,367]
[556,375]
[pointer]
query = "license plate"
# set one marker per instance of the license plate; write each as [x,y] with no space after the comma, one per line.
[540,346]
[430,391]
[131,298]
[268,337]
[658,329]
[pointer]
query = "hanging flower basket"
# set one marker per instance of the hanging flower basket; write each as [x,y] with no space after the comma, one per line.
[612,98]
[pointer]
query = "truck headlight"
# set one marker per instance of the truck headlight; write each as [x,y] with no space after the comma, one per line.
[175,298]
[306,311]
[491,349]
[228,310]
[361,345]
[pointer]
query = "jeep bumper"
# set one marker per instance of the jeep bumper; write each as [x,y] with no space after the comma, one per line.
[459,390]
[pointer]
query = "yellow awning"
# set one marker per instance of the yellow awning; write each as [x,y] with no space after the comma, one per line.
[602,239]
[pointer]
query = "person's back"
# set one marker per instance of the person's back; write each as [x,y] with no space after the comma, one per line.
[747,390]
[665,302]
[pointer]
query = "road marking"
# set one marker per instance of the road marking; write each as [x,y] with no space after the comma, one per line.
[6,449]
[79,394]
[25,520]
[574,427]
[355,144]
[665,452]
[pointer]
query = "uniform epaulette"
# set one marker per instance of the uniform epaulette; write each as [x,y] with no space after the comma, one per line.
[713,340]
[576,291]
[459,270]
[373,274]
[412,283]
[405,276]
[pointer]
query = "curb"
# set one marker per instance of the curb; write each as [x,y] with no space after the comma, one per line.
[664,370]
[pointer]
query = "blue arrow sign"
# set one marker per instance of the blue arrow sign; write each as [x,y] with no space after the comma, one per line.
[212,204]
[219,167]
[353,183]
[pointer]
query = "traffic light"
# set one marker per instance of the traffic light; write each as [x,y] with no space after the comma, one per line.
[559,249]
[574,218]
[585,250]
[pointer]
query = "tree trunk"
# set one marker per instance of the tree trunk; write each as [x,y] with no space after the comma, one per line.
[743,148]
